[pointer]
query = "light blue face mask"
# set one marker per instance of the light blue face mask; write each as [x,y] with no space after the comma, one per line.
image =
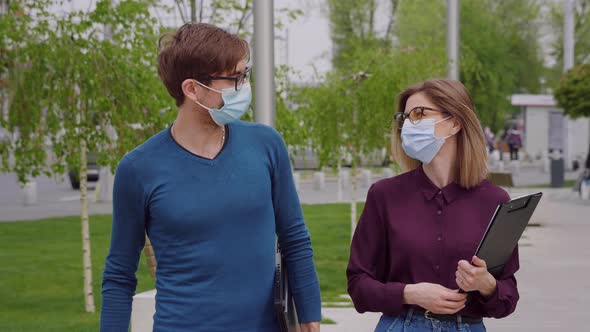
[235,104]
[419,141]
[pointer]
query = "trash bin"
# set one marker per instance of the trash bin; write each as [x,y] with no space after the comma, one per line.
[557,169]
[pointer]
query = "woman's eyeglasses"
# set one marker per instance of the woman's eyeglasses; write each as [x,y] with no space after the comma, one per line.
[415,115]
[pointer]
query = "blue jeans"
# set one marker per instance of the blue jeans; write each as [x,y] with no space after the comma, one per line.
[411,322]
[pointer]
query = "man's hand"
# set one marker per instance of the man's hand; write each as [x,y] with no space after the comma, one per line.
[475,277]
[435,298]
[310,327]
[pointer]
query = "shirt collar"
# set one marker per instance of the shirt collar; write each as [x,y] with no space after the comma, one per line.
[450,192]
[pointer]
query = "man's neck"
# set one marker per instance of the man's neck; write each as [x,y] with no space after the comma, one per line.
[194,130]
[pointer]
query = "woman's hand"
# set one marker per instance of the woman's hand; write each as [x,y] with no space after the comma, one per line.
[310,327]
[435,298]
[475,277]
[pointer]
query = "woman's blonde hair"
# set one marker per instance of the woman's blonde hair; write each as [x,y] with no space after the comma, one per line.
[451,96]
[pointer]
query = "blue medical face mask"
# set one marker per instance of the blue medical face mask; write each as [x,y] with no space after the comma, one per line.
[419,141]
[235,104]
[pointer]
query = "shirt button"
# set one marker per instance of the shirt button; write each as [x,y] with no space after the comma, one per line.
[437,267]
[439,238]
[440,192]
[439,212]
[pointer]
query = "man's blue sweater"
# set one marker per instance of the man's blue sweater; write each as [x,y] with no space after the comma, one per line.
[212,224]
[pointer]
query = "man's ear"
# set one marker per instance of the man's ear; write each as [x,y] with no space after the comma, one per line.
[190,89]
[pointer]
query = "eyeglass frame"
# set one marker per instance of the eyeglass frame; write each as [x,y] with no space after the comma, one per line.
[240,78]
[401,117]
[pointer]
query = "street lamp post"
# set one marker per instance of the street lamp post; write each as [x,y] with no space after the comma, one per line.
[453,39]
[264,89]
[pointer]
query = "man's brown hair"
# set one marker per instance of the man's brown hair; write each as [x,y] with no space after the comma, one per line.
[197,51]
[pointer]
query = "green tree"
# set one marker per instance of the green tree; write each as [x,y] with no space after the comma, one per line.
[353,28]
[573,91]
[555,17]
[79,82]
[500,54]
[349,114]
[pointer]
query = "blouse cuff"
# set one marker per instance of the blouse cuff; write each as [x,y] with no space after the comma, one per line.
[395,292]
[497,297]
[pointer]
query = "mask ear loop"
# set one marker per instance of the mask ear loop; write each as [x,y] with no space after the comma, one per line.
[197,102]
[445,119]
[206,87]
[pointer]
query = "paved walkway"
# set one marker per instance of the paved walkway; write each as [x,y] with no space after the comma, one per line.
[56,198]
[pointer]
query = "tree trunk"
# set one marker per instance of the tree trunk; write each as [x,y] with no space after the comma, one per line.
[353,213]
[88,293]
[193,11]
[340,183]
[148,251]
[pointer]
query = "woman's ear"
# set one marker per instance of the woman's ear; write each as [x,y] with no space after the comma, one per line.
[456,126]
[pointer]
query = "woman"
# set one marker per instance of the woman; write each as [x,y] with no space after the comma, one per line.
[514,141]
[413,248]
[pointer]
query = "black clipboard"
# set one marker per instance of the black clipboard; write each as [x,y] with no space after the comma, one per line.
[284,304]
[504,230]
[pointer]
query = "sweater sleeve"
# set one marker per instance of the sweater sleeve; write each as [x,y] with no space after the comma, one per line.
[368,261]
[127,240]
[294,238]
[503,302]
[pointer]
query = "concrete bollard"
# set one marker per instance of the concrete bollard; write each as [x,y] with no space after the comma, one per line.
[515,166]
[388,173]
[29,193]
[343,180]
[297,180]
[106,183]
[366,178]
[344,177]
[142,313]
[319,181]
[500,166]
[546,164]
[495,155]
[585,189]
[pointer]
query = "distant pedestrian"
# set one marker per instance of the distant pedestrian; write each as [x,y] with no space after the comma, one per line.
[514,141]
[490,139]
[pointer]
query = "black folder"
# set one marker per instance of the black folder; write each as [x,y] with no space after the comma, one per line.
[504,230]
[285,309]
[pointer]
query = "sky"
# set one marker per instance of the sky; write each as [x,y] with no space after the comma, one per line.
[303,44]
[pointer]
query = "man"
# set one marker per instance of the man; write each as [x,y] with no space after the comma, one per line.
[211,192]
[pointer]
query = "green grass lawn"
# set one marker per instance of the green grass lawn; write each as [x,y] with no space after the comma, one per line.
[41,267]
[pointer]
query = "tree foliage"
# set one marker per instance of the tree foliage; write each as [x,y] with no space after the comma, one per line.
[573,91]
[499,51]
[555,18]
[69,82]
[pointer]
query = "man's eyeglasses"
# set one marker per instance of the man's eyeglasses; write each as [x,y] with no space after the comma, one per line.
[415,115]
[238,79]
